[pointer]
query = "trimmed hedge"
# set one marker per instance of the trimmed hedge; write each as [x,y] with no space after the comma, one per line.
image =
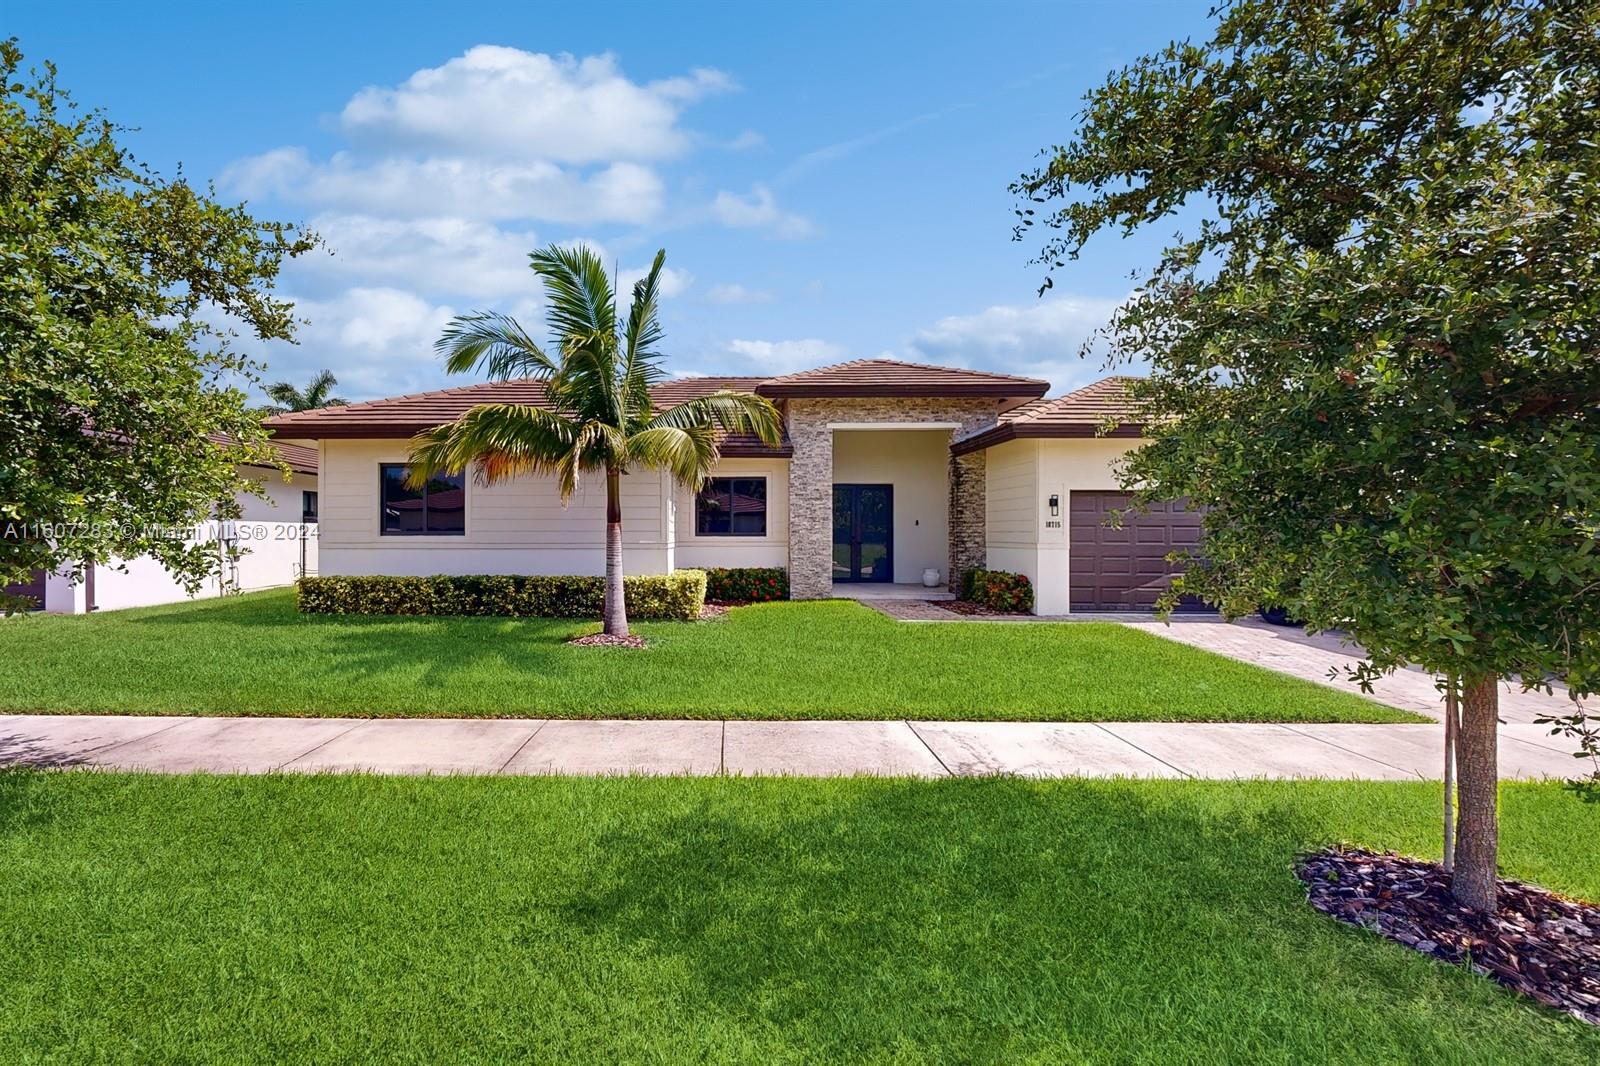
[746,584]
[999,590]
[678,596]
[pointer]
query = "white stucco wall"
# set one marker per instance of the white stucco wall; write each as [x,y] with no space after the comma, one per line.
[270,529]
[1023,536]
[770,550]
[515,527]
[917,463]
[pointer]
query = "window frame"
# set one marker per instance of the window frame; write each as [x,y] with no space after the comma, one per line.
[383,480]
[731,479]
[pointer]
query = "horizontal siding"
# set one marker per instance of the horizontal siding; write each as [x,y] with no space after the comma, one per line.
[1012,494]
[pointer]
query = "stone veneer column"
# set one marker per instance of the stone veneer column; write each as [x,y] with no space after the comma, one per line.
[968,516]
[810,503]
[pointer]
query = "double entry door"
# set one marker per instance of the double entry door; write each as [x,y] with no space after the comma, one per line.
[863,532]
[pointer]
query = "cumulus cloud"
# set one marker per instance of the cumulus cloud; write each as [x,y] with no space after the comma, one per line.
[782,357]
[455,256]
[734,293]
[759,210]
[511,103]
[468,188]
[1041,340]
[378,340]
[673,282]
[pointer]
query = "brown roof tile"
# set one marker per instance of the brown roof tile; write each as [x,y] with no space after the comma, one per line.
[406,416]
[296,457]
[890,377]
[1084,412]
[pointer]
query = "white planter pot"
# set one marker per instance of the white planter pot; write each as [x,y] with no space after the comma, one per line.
[930,578]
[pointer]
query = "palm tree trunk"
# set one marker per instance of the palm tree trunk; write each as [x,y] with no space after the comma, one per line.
[616,606]
[1474,882]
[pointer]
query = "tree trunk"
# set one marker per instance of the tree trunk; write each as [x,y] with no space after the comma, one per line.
[616,606]
[1475,880]
[1452,724]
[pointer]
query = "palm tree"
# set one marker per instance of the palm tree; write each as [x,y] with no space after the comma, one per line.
[597,379]
[288,398]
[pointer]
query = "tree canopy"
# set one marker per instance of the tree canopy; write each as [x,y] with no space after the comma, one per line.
[1374,350]
[119,299]
[287,396]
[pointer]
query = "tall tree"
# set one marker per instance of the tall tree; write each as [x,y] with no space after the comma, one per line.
[597,381]
[112,382]
[285,396]
[1374,355]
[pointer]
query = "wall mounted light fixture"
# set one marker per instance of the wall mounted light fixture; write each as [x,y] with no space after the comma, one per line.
[1055,505]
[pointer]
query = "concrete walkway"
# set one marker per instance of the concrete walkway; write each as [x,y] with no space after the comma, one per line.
[922,749]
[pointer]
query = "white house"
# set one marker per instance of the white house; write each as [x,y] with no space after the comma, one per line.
[886,469]
[272,542]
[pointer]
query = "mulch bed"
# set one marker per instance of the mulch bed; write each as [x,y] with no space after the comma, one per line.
[604,640]
[1540,944]
[710,612]
[963,607]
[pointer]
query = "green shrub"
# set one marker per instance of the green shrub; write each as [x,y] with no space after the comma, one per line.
[999,590]
[677,596]
[746,584]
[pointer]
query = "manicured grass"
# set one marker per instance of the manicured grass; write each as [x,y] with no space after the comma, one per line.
[256,655]
[355,919]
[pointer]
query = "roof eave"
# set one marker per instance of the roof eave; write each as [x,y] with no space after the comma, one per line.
[1007,432]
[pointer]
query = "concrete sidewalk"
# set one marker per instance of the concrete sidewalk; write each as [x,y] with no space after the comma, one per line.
[813,749]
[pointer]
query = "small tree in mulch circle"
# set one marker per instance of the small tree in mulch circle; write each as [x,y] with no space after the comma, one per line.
[1376,353]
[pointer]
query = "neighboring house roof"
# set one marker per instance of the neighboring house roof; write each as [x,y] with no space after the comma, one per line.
[296,457]
[1085,412]
[406,416]
[890,377]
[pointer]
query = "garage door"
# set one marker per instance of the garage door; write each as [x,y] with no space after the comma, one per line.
[1125,569]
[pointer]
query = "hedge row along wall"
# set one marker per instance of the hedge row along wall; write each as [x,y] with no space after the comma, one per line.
[746,584]
[678,596]
[999,590]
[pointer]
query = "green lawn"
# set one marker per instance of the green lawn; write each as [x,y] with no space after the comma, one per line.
[255,655]
[351,919]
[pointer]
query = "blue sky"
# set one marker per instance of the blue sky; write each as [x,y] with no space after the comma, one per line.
[829,180]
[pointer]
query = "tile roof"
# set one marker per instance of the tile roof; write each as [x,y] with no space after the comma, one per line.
[1083,412]
[296,457]
[890,377]
[406,416]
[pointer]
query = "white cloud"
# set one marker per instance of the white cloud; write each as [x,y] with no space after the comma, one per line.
[456,256]
[377,340]
[408,188]
[783,357]
[509,103]
[759,210]
[734,293]
[1041,340]
[673,282]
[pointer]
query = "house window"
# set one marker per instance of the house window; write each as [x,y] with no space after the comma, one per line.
[732,507]
[308,506]
[439,508]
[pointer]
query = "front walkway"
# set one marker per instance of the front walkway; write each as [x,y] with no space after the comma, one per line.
[814,749]
[1321,657]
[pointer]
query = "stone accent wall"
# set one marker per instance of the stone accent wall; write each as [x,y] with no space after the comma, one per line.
[968,517]
[811,478]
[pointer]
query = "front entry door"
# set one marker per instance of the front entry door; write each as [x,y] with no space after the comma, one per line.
[863,532]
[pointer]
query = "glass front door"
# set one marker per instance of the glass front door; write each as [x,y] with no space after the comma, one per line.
[863,532]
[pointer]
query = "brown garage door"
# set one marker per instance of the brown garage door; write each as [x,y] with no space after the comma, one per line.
[33,588]
[1125,569]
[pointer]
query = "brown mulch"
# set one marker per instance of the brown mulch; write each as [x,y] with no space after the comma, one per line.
[963,607]
[604,640]
[710,612]
[1538,943]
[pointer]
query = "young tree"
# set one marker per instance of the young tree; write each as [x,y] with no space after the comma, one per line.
[1374,358]
[286,396]
[597,382]
[112,383]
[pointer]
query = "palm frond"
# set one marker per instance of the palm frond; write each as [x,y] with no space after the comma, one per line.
[581,313]
[285,395]
[497,343]
[640,336]
[499,440]
[732,412]
[688,453]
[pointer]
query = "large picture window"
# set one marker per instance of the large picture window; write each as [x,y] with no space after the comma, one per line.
[732,507]
[439,508]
